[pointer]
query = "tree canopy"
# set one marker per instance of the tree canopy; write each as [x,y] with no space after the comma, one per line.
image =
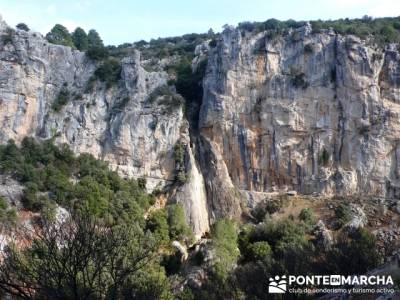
[80,39]
[60,35]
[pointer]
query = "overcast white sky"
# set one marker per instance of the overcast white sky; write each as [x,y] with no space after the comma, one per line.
[128,21]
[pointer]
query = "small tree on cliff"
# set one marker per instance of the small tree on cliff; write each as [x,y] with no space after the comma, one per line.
[96,49]
[22,26]
[80,39]
[60,35]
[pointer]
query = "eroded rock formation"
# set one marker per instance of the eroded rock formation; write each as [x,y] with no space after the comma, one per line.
[317,113]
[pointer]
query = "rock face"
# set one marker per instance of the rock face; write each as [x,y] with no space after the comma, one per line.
[129,125]
[315,113]
[193,196]
[304,112]
[118,124]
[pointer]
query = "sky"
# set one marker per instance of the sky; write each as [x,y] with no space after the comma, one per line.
[120,21]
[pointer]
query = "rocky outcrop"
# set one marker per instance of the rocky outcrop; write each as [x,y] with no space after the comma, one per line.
[324,238]
[311,112]
[183,254]
[358,218]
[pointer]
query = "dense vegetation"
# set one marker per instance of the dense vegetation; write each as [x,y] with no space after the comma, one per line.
[62,98]
[381,30]
[53,175]
[109,72]
[90,42]
[109,214]
[117,253]
[285,246]
[165,47]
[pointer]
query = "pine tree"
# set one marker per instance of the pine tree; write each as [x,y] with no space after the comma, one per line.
[60,35]
[80,39]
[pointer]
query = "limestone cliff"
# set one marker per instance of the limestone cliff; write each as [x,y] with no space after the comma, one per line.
[132,124]
[312,112]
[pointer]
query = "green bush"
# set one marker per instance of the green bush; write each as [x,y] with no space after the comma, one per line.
[62,98]
[284,247]
[307,216]
[3,204]
[60,35]
[8,216]
[162,47]
[109,72]
[273,206]
[225,243]
[267,207]
[354,253]
[343,213]
[97,53]
[259,251]
[291,251]
[96,49]
[7,38]
[22,26]
[166,97]
[178,228]
[189,83]
[308,219]
[30,198]
[142,182]
[94,39]
[179,153]
[80,39]
[179,156]
[86,187]
[157,223]
[93,196]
